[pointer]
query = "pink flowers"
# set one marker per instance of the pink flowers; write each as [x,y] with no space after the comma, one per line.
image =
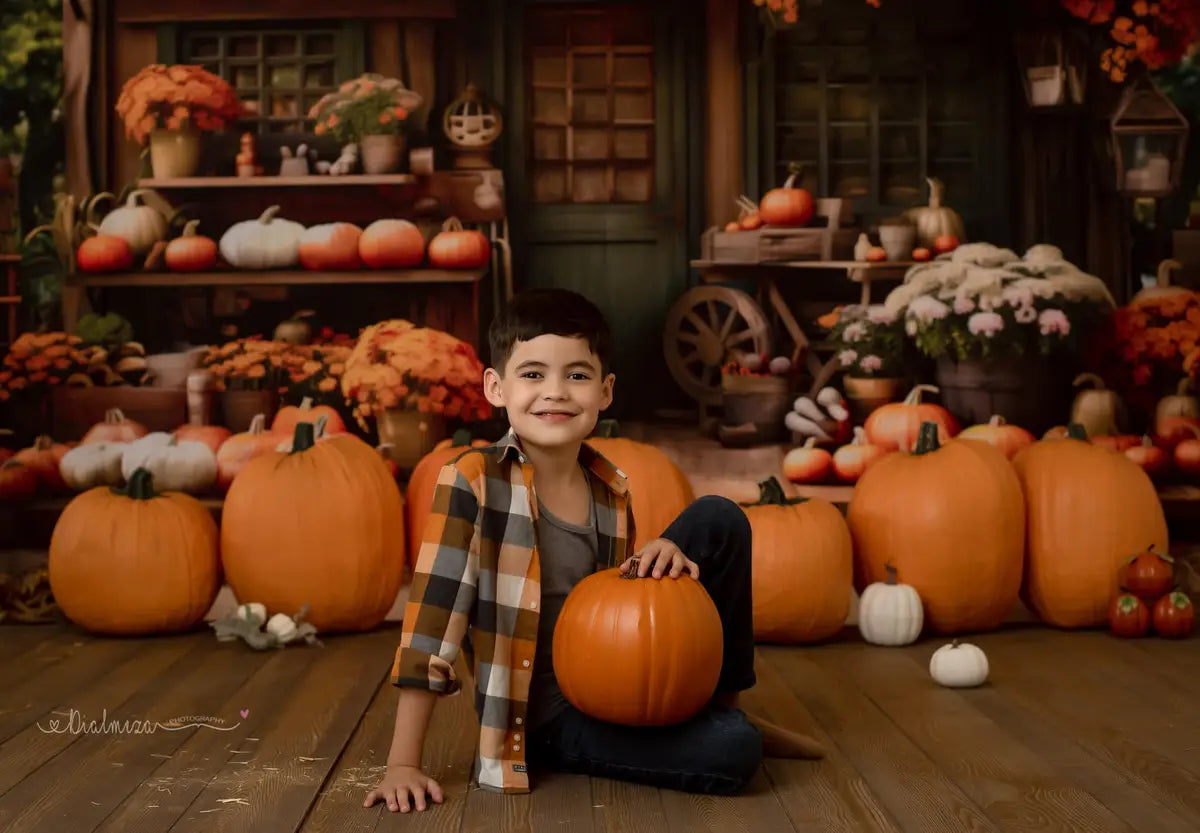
[1053,321]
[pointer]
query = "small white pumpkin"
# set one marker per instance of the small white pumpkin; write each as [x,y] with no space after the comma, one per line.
[959,665]
[890,613]
[177,466]
[269,242]
[139,225]
[283,626]
[253,609]
[94,464]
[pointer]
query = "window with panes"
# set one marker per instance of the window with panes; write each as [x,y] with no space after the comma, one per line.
[868,107]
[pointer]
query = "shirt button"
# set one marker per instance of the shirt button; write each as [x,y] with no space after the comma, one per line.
[517,736]
[533,605]
[525,663]
[516,747]
[520,721]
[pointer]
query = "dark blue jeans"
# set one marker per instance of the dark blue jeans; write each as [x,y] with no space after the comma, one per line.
[718,751]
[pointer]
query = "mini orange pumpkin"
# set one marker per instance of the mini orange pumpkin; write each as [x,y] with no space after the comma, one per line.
[803,566]
[330,246]
[191,252]
[807,463]
[133,561]
[457,248]
[213,436]
[638,651]
[288,416]
[1010,439]
[17,481]
[44,458]
[114,429]
[391,244]
[895,426]
[418,498]
[951,519]
[850,461]
[322,525]
[239,449]
[1087,509]
[104,253]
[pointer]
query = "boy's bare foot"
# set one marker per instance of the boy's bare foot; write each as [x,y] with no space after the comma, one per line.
[778,742]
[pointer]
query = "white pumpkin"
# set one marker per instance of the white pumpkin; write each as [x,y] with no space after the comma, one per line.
[959,665]
[176,465]
[94,464]
[139,225]
[269,242]
[283,626]
[255,609]
[890,613]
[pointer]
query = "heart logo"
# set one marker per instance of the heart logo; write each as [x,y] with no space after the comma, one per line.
[244,713]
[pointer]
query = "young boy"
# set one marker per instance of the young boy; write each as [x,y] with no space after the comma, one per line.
[514,526]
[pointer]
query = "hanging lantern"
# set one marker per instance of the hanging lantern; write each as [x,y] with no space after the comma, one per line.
[472,125]
[1149,137]
[1053,68]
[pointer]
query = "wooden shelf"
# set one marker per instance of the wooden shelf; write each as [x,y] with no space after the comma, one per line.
[283,277]
[10,299]
[313,180]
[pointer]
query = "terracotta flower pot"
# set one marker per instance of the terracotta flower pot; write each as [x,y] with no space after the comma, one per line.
[380,153]
[864,395]
[239,407]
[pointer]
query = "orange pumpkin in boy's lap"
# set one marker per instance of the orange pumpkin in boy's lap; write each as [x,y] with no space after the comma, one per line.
[638,651]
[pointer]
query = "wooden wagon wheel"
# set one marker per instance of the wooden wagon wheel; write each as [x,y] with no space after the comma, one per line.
[703,327]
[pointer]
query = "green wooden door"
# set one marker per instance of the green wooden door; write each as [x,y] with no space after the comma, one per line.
[598,166]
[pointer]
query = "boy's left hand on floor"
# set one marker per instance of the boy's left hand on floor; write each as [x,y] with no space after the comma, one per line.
[661,557]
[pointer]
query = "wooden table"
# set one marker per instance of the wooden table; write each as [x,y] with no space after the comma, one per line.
[465,329]
[767,276]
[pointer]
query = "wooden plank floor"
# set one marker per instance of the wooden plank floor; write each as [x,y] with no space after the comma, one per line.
[1076,731]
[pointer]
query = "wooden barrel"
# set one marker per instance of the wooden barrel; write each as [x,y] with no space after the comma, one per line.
[761,400]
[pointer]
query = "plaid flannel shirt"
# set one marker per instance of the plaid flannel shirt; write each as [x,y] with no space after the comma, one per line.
[479,569]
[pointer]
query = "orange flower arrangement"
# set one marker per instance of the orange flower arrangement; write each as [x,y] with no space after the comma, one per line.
[316,370]
[174,97]
[1155,32]
[249,364]
[1150,344]
[36,361]
[398,365]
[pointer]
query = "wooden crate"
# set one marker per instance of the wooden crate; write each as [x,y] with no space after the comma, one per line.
[829,239]
[75,410]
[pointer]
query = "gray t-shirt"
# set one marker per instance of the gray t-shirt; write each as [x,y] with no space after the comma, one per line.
[569,554]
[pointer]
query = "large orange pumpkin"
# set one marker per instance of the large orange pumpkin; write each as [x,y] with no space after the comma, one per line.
[323,525]
[1010,439]
[1089,510]
[803,566]
[418,498]
[330,246]
[951,519]
[133,561]
[457,248]
[391,244]
[288,416]
[895,425]
[658,488]
[638,651]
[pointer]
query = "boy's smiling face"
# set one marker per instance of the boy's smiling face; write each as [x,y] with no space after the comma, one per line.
[552,388]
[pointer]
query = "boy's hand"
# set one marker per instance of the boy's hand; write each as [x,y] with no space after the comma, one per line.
[399,783]
[660,557]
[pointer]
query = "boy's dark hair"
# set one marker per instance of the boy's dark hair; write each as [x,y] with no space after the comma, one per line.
[537,312]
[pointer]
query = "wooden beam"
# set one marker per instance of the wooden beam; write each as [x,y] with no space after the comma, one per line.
[181,11]
[384,55]
[421,68]
[78,39]
[724,111]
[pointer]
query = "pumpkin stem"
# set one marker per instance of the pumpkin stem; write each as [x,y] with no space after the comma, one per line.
[771,494]
[452,224]
[306,403]
[935,191]
[1075,431]
[43,443]
[460,437]
[860,436]
[189,230]
[914,395]
[891,573]
[1185,384]
[794,170]
[997,420]
[304,438]
[258,424]
[139,487]
[953,643]
[1089,377]
[927,439]
[268,215]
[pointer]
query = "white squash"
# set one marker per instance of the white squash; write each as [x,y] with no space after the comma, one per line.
[94,464]
[959,665]
[269,242]
[283,626]
[890,613]
[178,466]
[139,225]
[935,219]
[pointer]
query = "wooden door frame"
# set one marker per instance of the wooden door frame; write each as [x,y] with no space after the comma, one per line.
[684,44]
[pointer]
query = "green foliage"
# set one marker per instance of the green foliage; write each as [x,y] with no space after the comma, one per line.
[30,68]
[107,330]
